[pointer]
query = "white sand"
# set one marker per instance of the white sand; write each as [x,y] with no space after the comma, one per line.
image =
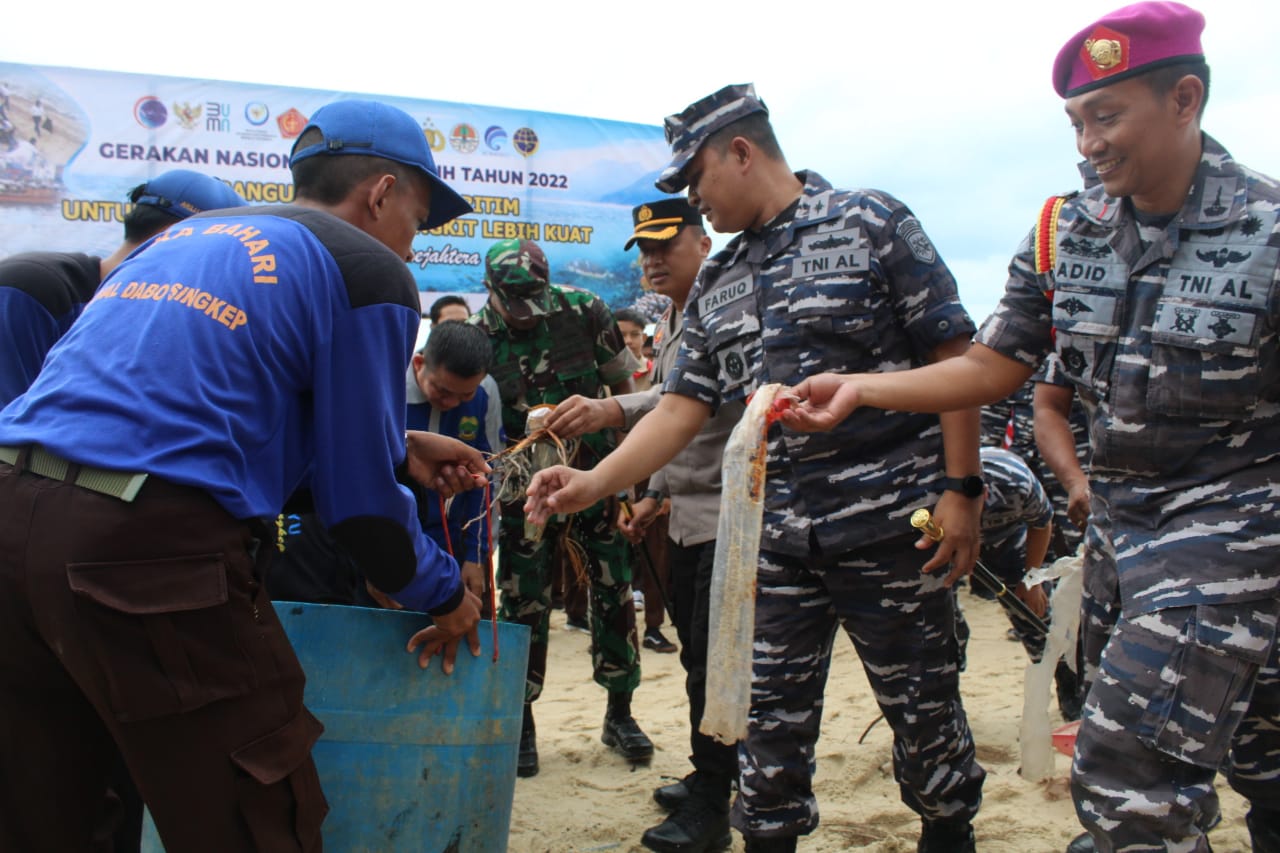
[586,798]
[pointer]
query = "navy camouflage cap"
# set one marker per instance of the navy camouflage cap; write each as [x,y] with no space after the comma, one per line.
[686,131]
[518,273]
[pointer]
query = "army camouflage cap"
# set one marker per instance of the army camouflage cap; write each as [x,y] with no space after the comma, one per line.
[687,130]
[518,273]
[662,219]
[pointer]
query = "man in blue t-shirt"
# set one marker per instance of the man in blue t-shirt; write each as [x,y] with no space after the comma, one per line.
[42,293]
[243,355]
[450,392]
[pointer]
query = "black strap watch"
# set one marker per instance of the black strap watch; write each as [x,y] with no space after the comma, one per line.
[970,486]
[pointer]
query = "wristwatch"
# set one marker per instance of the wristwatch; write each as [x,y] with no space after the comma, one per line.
[653,493]
[970,486]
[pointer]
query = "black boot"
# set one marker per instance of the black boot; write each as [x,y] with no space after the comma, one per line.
[1070,702]
[1264,829]
[527,763]
[1082,844]
[621,731]
[699,824]
[770,845]
[946,836]
[673,796]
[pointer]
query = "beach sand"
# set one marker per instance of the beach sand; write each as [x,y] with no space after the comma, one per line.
[586,798]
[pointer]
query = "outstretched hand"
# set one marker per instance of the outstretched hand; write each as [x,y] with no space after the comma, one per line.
[822,403]
[559,489]
[579,415]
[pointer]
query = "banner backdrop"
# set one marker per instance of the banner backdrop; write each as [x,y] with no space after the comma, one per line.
[73,142]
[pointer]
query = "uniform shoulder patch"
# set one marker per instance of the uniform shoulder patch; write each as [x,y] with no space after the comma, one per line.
[912,233]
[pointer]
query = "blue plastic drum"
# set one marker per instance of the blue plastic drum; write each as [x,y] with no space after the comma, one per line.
[411,759]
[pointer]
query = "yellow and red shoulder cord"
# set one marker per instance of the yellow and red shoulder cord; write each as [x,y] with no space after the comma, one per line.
[488,557]
[1046,242]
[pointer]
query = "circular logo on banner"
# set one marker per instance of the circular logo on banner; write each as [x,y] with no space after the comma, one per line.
[464,138]
[256,113]
[150,112]
[494,137]
[525,141]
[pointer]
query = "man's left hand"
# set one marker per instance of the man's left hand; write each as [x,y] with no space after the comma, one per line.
[960,519]
[448,631]
[824,401]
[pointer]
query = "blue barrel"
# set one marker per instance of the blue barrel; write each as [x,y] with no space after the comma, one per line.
[410,759]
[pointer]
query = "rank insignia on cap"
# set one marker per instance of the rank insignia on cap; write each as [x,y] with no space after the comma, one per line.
[1106,52]
[644,214]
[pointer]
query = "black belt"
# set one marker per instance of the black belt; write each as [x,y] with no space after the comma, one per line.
[116,484]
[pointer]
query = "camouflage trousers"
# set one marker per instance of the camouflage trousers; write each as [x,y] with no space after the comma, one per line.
[524,576]
[901,622]
[1176,696]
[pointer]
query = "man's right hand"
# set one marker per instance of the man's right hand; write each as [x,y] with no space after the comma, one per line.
[1079,499]
[580,415]
[643,513]
[560,489]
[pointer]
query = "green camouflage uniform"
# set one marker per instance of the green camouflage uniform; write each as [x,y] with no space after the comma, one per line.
[576,348]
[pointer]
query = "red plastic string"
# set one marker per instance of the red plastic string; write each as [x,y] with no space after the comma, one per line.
[780,405]
[488,566]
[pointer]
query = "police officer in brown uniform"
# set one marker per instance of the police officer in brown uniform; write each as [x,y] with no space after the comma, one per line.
[673,245]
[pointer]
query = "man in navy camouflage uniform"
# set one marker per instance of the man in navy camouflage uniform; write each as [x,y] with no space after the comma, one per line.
[1162,301]
[823,278]
[1017,526]
[1017,521]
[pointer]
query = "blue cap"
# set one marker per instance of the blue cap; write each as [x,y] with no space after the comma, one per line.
[182,193]
[372,129]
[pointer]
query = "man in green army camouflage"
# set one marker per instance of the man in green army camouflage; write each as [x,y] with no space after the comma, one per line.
[549,343]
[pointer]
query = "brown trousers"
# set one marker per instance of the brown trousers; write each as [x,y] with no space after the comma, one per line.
[142,630]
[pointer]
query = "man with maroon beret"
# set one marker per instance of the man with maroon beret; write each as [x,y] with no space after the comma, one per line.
[1159,288]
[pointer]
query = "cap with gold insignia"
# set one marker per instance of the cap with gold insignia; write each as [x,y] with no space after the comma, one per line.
[1127,42]
[518,273]
[662,219]
[686,131]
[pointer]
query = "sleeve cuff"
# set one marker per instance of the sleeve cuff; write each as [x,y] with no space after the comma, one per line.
[451,603]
